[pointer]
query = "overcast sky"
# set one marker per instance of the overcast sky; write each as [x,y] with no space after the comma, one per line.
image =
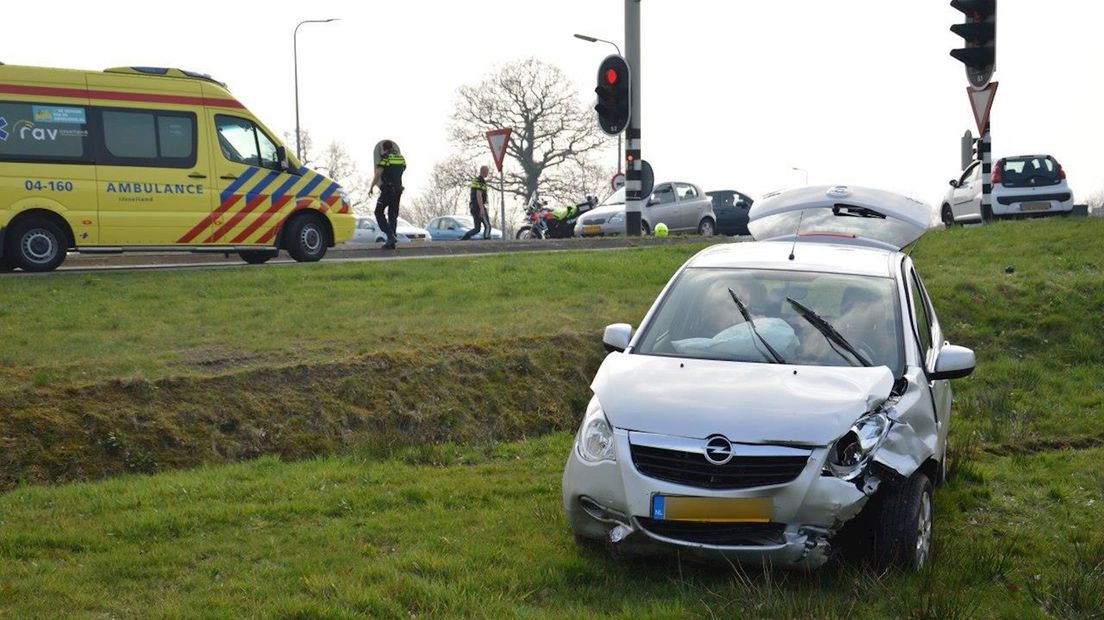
[735,94]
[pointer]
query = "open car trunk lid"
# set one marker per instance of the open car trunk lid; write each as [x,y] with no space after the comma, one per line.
[842,215]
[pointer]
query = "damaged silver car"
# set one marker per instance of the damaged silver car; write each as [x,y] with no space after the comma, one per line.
[781,400]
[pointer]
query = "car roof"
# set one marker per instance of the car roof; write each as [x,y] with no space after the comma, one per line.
[819,257]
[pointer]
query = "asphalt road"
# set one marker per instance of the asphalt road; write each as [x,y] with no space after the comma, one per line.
[77,262]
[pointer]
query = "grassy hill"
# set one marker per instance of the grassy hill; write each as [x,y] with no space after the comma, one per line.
[444,394]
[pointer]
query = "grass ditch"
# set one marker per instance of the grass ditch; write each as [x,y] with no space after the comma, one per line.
[477,393]
[459,356]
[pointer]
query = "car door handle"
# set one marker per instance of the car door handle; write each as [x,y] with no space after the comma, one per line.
[197,175]
[229,177]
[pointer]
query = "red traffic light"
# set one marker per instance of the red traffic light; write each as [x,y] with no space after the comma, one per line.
[611,76]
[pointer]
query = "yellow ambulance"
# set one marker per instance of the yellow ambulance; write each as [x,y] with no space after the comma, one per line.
[146,158]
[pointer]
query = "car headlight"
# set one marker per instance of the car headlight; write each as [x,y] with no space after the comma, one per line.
[850,454]
[595,441]
[617,218]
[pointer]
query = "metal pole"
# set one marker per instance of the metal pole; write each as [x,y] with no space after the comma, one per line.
[633,196]
[502,203]
[618,152]
[984,150]
[295,54]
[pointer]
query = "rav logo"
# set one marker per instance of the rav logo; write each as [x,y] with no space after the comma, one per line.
[37,134]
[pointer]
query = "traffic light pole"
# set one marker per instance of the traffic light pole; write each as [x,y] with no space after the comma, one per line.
[984,150]
[634,201]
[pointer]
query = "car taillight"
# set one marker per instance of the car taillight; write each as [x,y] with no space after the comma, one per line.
[1061,172]
[998,172]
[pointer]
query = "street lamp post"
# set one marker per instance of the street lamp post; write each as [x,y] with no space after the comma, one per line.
[597,40]
[796,169]
[295,54]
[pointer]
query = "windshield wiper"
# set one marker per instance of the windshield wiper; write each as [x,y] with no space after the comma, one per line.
[829,332]
[747,317]
[843,210]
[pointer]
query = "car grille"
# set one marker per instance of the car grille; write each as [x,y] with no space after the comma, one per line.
[720,534]
[595,221]
[691,468]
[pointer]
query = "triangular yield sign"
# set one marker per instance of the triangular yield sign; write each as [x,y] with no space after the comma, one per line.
[982,103]
[498,139]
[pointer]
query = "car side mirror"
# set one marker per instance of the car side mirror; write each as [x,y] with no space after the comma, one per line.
[282,158]
[617,337]
[954,183]
[953,362]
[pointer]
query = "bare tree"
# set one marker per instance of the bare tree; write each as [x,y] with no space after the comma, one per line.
[305,142]
[1096,203]
[336,162]
[551,125]
[447,193]
[340,166]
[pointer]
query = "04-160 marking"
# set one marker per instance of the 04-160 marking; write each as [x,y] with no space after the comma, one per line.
[53,186]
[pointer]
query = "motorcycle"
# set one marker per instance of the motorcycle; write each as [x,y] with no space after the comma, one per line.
[542,222]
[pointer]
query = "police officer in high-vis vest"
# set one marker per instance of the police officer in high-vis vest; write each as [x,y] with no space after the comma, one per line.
[478,205]
[388,178]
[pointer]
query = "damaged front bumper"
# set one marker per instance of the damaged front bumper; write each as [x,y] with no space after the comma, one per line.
[616,502]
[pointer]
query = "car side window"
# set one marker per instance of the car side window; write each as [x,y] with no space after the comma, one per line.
[664,194]
[243,142]
[686,192]
[921,316]
[969,174]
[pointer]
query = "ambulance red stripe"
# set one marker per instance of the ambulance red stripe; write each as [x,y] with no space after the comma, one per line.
[110,95]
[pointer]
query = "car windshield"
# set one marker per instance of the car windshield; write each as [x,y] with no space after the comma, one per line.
[403,222]
[464,220]
[698,318]
[616,198]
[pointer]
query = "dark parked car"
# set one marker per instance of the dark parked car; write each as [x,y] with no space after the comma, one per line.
[731,208]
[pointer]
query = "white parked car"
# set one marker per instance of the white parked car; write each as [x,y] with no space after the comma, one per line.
[367,231]
[777,394]
[682,207]
[1026,185]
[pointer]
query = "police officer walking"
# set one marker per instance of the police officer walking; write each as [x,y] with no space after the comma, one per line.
[478,205]
[389,172]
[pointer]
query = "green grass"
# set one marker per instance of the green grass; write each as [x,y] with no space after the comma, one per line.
[76,329]
[443,531]
[365,362]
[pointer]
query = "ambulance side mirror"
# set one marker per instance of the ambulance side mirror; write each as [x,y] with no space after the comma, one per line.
[282,157]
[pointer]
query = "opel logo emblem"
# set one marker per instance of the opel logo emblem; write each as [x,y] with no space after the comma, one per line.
[718,450]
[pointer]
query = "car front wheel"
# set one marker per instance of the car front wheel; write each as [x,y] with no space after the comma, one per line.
[306,239]
[903,536]
[948,216]
[706,228]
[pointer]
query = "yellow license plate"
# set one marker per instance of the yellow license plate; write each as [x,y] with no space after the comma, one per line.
[1036,206]
[711,509]
[592,230]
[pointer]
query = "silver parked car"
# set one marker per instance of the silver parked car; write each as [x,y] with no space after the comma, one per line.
[780,399]
[682,207]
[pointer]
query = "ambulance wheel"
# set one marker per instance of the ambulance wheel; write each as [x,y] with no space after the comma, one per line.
[306,239]
[36,244]
[257,257]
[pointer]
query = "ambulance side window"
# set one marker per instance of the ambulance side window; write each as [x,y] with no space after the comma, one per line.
[149,138]
[47,132]
[243,142]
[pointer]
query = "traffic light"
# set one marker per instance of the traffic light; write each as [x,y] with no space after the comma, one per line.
[980,34]
[613,95]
